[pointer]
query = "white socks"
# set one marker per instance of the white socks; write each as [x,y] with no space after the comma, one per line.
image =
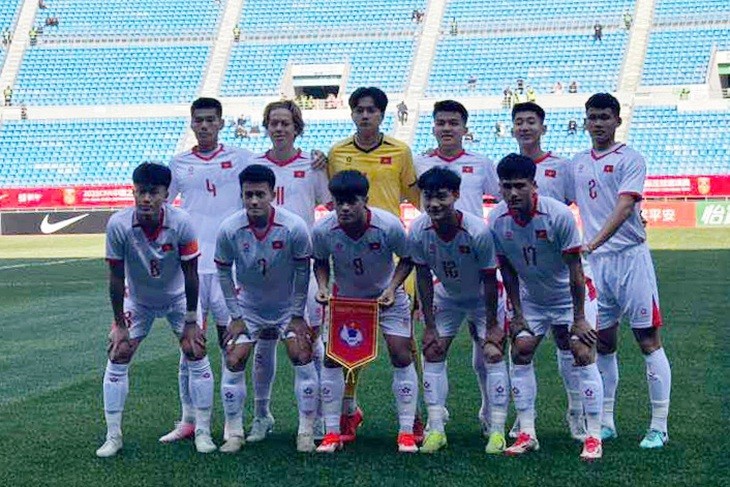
[306,387]
[183,381]
[569,373]
[434,393]
[498,394]
[264,373]
[591,392]
[659,378]
[233,394]
[201,392]
[116,388]
[405,389]
[524,391]
[332,389]
[608,367]
[480,368]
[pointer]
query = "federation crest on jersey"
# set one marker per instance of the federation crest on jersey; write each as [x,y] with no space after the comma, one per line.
[353,332]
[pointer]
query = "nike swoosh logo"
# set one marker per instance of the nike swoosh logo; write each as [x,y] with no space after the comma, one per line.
[47,227]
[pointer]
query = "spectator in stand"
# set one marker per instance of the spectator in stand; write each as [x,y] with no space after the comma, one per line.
[8,95]
[454,29]
[236,33]
[471,83]
[402,112]
[573,87]
[598,32]
[33,35]
[23,112]
[507,98]
[558,88]
[42,5]
[572,127]
[241,132]
[531,95]
[7,38]
[628,20]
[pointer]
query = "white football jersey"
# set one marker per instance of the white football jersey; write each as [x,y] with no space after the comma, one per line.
[152,262]
[299,188]
[457,263]
[264,263]
[598,181]
[209,189]
[553,178]
[364,267]
[535,249]
[478,178]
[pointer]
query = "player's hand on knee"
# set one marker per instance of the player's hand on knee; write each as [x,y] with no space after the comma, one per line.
[299,338]
[518,327]
[120,348]
[431,343]
[583,332]
[236,328]
[387,299]
[193,341]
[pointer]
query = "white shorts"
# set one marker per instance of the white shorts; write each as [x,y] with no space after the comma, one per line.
[627,287]
[142,317]
[450,316]
[211,300]
[540,318]
[393,321]
[255,326]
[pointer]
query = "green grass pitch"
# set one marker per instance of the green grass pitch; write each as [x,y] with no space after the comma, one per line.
[54,317]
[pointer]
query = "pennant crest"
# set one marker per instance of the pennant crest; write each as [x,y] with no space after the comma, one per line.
[352,340]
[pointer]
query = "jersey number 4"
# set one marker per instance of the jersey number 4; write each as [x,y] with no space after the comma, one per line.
[210,187]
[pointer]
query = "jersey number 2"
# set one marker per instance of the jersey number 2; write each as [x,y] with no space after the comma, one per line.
[592,189]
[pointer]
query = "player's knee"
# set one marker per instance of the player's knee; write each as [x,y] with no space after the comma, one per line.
[582,354]
[649,339]
[122,353]
[606,342]
[299,355]
[492,353]
[192,353]
[522,352]
[400,357]
[235,360]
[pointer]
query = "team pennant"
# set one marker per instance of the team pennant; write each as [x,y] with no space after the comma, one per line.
[353,332]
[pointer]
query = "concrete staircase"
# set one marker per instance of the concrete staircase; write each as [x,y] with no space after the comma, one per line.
[21,41]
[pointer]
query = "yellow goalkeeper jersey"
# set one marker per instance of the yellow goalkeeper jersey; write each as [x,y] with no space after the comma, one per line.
[388,167]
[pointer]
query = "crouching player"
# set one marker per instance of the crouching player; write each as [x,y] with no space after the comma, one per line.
[361,242]
[154,247]
[458,248]
[538,246]
[270,248]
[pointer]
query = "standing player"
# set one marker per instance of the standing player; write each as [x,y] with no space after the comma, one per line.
[457,247]
[270,248]
[609,181]
[553,179]
[299,189]
[153,246]
[387,163]
[538,246]
[205,177]
[362,242]
[478,178]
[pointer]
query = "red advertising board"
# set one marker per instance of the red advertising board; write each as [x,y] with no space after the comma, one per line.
[66,197]
[687,186]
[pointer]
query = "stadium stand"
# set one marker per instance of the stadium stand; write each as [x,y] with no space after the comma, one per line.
[510,15]
[46,153]
[685,11]
[111,75]
[274,18]
[256,68]
[8,13]
[482,125]
[539,59]
[680,143]
[681,56]
[124,19]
